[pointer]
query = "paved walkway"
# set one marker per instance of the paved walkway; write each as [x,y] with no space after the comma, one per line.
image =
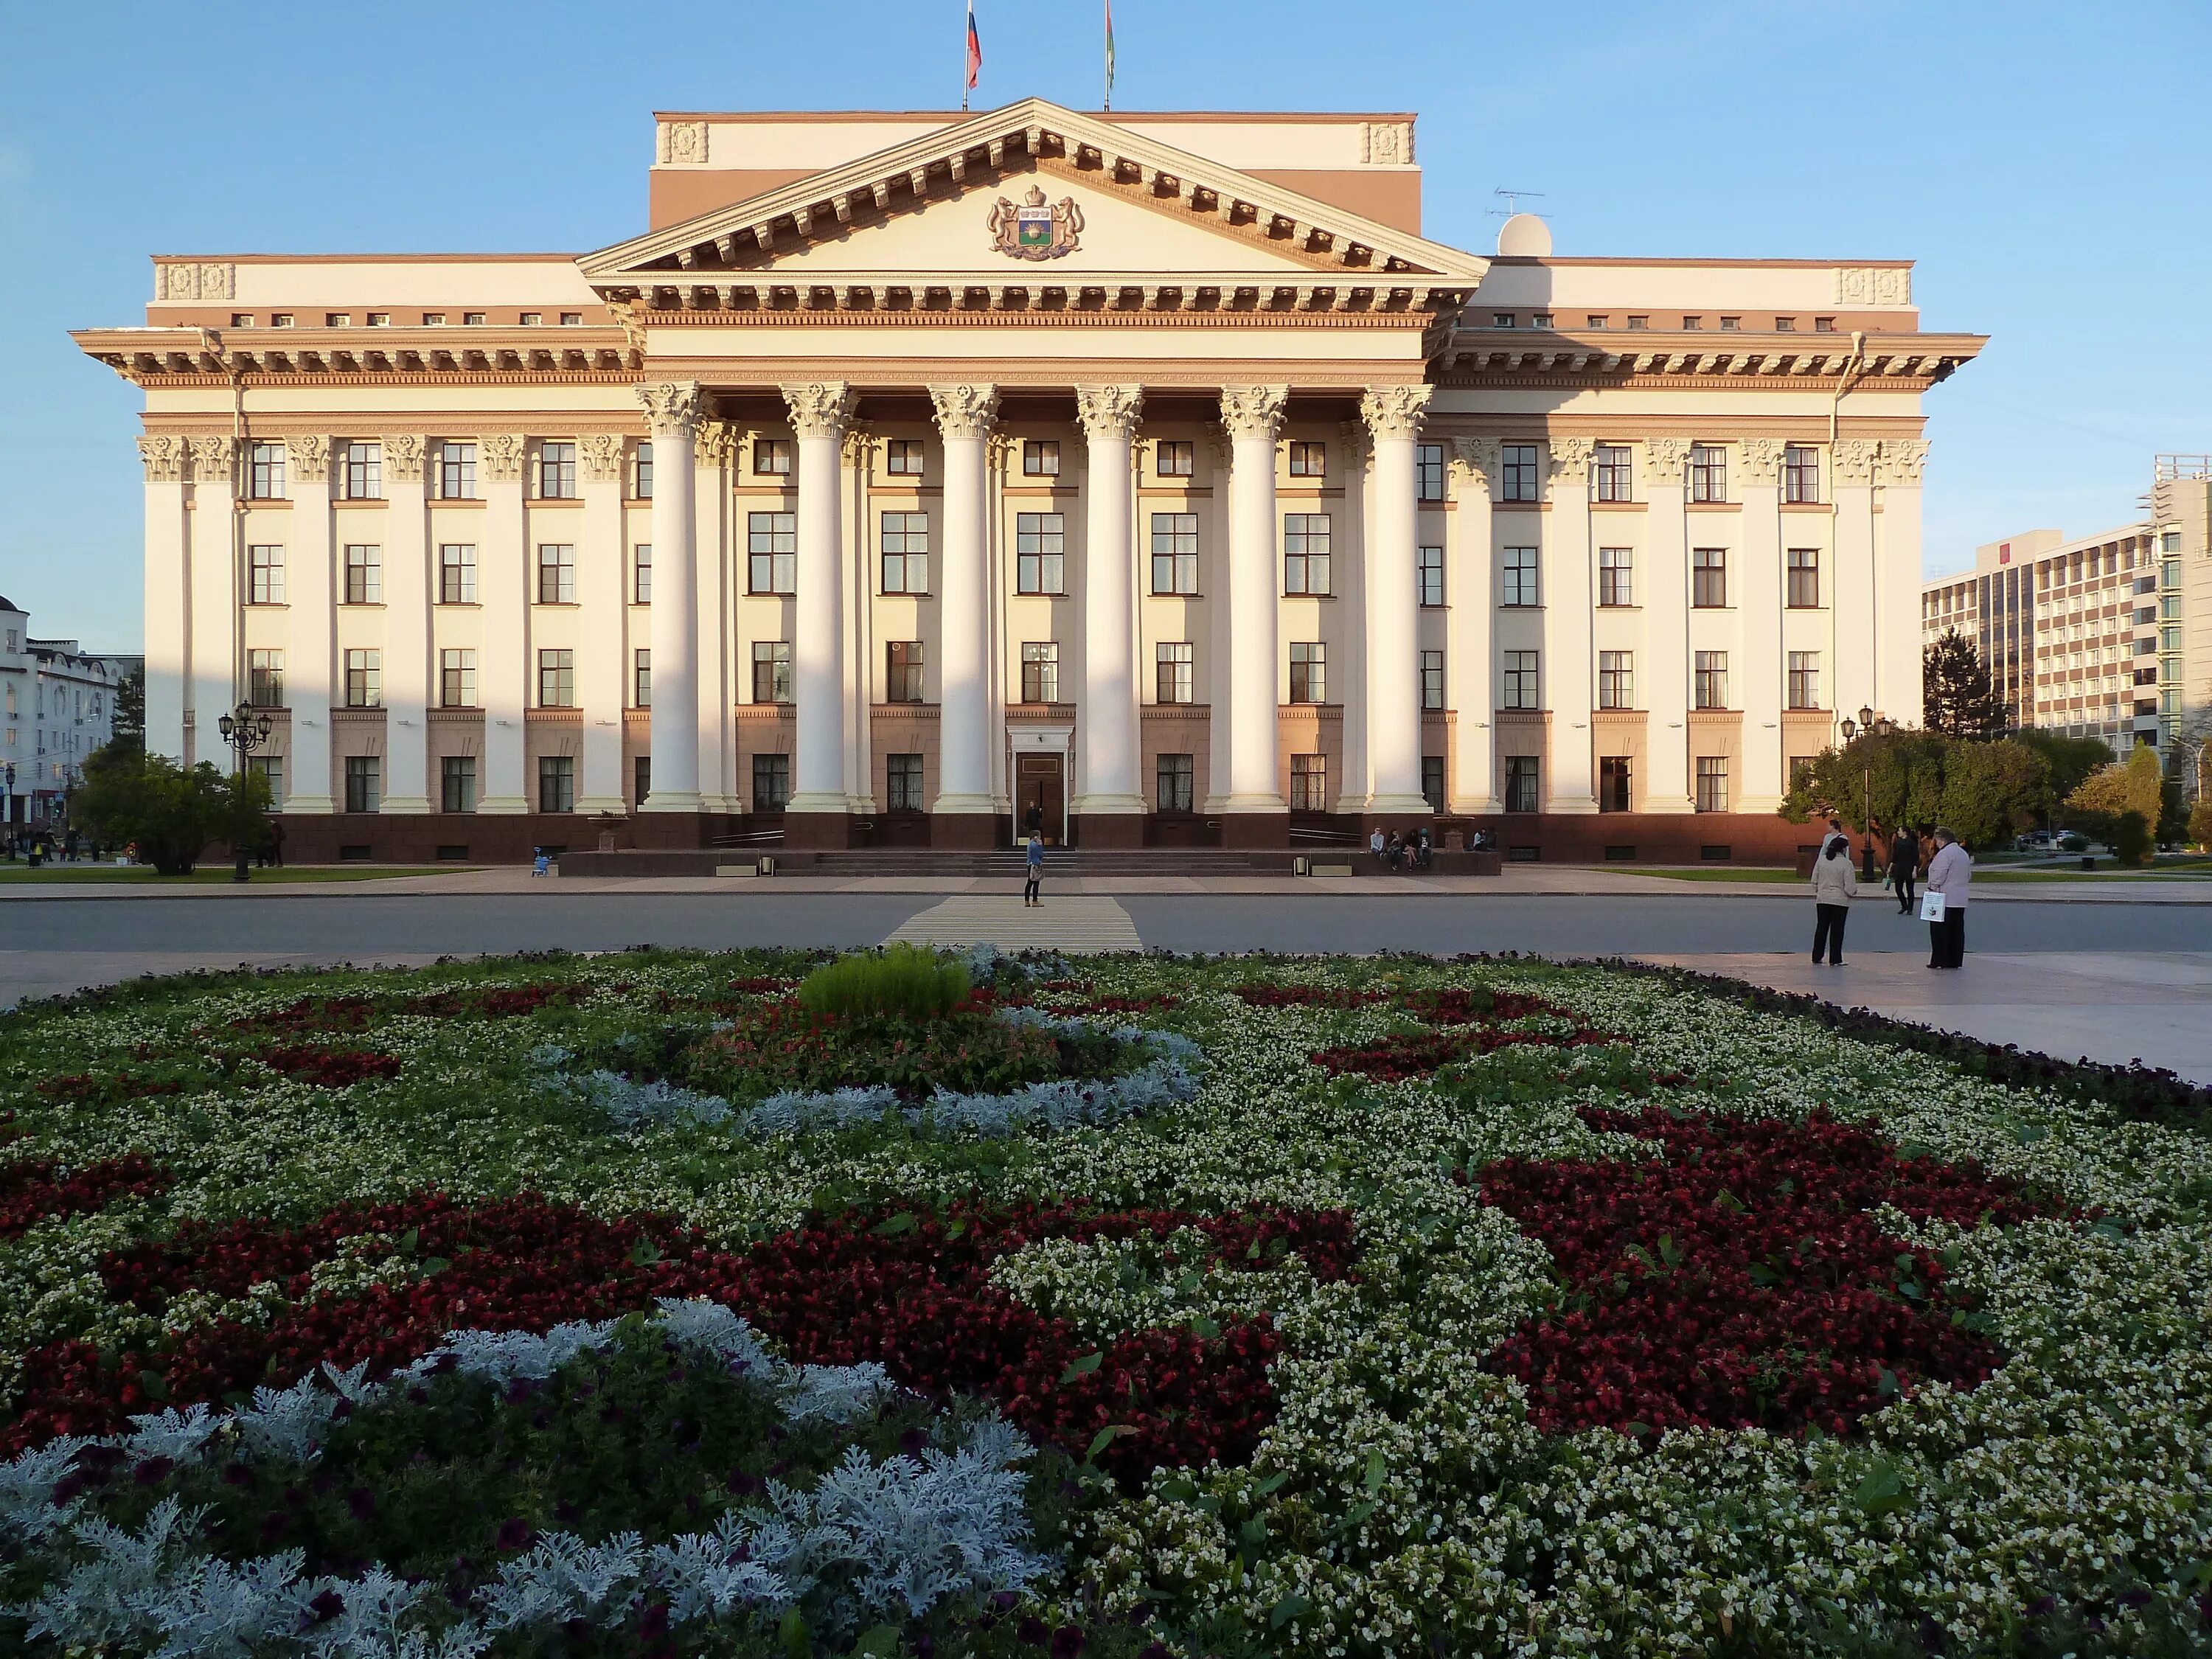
[1059,924]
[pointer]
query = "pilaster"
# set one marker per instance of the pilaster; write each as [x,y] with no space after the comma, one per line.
[819,803]
[167,620]
[673,409]
[1852,462]
[1393,415]
[1760,606]
[1897,687]
[966,415]
[311,669]
[1355,593]
[1568,675]
[503,597]
[1472,570]
[604,660]
[215,596]
[715,454]
[1254,418]
[408,665]
[1109,801]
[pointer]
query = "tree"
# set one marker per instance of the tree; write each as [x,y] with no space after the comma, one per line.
[1993,791]
[2131,840]
[2072,759]
[2200,822]
[2172,820]
[130,709]
[2133,785]
[1983,791]
[1956,697]
[170,813]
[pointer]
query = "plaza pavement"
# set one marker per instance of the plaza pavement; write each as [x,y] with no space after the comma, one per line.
[2113,970]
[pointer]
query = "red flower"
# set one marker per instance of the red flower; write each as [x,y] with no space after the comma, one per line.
[33,1191]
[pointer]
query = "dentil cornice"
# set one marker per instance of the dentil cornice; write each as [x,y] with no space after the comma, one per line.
[164,456]
[602,455]
[819,409]
[501,455]
[1253,411]
[1394,411]
[674,408]
[402,458]
[965,411]
[1108,412]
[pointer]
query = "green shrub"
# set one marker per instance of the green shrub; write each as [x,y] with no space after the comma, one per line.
[2132,841]
[903,982]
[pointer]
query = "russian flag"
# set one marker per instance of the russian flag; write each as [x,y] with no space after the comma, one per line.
[975,48]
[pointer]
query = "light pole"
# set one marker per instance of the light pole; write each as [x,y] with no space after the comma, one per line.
[244,732]
[1872,725]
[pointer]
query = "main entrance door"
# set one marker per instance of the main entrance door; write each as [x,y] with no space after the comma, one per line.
[1040,797]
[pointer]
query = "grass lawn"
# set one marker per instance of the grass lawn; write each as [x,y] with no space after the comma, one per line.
[1140,1307]
[140,876]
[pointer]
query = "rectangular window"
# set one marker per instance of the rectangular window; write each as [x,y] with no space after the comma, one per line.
[1174,777]
[641,473]
[1519,688]
[364,575]
[557,678]
[1040,458]
[1309,783]
[1429,574]
[456,679]
[1309,459]
[557,472]
[771,782]
[1801,473]
[1521,783]
[771,670]
[1517,472]
[1040,542]
[271,769]
[456,783]
[906,552]
[1432,781]
[1308,672]
[363,474]
[1174,458]
[903,671]
[457,573]
[1615,472]
[1305,553]
[903,783]
[266,570]
[1174,553]
[1804,578]
[902,458]
[1615,790]
[556,783]
[772,552]
[640,678]
[364,783]
[1616,575]
[1429,472]
[1804,679]
[1712,783]
[1041,670]
[265,472]
[457,472]
[772,457]
[557,572]
[1708,471]
[1711,685]
[1616,679]
[363,680]
[1432,680]
[264,678]
[640,573]
[1517,580]
[1709,578]
[1172,667]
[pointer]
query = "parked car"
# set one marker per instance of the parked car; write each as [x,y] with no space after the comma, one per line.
[2036,841]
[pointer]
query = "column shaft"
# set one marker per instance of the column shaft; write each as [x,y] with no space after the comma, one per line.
[1760,606]
[1394,680]
[1254,415]
[604,660]
[1472,595]
[1107,747]
[818,413]
[965,415]
[166,543]
[215,596]
[503,591]
[311,630]
[714,449]
[1853,675]
[1663,588]
[674,409]
[407,663]
[1568,675]
[1897,598]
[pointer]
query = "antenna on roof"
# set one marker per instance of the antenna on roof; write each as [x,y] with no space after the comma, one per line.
[1512,199]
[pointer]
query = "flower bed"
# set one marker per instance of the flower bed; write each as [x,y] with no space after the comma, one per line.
[1467,1308]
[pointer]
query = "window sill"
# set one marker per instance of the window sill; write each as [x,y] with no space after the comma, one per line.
[458,605]
[268,500]
[903,593]
[553,604]
[358,605]
[1168,593]
[457,501]
[1037,593]
[557,500]
[267,604]
[1713,507]
[771,594]
[1288,595]
[359,501]
[1602,606]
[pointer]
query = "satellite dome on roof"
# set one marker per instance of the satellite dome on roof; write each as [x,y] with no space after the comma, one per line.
[1524,236]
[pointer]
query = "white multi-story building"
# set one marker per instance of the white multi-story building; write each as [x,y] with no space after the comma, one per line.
[912,474]
[57,706]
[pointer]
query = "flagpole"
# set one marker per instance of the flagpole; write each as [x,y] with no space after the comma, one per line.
[1107,102]
[967,34]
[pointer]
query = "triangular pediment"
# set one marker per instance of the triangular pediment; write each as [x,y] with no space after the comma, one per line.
[1034,195]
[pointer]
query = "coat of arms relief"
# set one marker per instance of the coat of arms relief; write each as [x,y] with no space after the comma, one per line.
[1036,230]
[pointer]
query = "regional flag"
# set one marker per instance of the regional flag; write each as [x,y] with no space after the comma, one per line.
[975,48]
[1109,54]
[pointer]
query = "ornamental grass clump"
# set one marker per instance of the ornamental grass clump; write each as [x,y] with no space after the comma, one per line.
[901,982]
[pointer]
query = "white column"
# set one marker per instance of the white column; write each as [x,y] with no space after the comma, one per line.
[603,650]
[856,460]
[1108,752]
[407,664]
[503,593]
[715,452]
[1897,592]
[965,415]
[1393,415]
[1254,415]
[1852,674]
[1569,679]
[1664,590]
[818,414]
[674,408]
[1355,593]
[1760,606]
[166,533]
[1217,581]
[215,595]
[1472,576]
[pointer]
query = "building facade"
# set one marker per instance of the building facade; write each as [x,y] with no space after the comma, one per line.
[57,706]
[914,474]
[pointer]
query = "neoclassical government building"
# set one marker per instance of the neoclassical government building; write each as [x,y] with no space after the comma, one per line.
[915,475]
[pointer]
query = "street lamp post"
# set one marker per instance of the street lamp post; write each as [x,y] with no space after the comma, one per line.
[1873,724]
[243,732]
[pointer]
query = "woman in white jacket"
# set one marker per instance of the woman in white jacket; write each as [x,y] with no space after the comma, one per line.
[1834,887]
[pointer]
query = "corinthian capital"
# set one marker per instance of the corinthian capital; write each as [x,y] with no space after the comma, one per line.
[819,409]
[1108,412]
[307,459]
[500,456]
[965,411]
[1253,411]
[1475,461]
[601,453]
[717,444]
[402,458]
[1571,456]
[211,459]
[164,455]
[1394,411]
[1902,460]
[1663,461]
[672,408]
[1853,460]
[1762,460]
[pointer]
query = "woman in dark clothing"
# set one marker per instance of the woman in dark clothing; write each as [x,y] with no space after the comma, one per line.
[1904,867]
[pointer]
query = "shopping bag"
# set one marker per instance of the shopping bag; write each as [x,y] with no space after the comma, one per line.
[1931,907]
[1884,881]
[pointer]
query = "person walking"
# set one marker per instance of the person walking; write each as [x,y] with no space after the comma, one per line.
[1834,887]
[1035,870]
[1950,872]
[1904,867]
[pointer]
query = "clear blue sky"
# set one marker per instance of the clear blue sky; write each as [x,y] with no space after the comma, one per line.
[2046,166]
